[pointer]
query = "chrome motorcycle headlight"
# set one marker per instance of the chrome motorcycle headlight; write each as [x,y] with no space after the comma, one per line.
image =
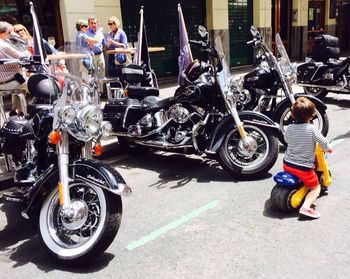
[106,129]
[66,115]
[90,119]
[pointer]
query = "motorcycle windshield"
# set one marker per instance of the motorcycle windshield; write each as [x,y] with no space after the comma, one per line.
[224,74]
[67,66]
[283,59]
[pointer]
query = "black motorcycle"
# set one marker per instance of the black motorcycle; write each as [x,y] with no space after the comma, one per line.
[325,72]
[201,118]
[75,199]
[261,88]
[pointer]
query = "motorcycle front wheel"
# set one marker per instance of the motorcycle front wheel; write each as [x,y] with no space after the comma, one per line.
[248,162]
[316,92]
[82,238]
[284,117]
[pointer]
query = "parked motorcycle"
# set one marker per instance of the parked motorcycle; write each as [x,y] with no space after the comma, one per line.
[260,88]
[324,72]
[289,192]
[75,199]
[201,118]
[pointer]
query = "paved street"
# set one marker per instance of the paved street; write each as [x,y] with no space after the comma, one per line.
[188,219]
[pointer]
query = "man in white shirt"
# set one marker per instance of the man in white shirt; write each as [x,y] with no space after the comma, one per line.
[11,76]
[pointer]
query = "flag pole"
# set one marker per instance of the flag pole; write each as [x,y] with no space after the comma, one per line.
[37,33]
[184,25]
[140,37]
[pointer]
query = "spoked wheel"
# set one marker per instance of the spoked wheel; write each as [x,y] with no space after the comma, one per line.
[91,229]
[251,159]
[316,92]
[281,197]
[320,119]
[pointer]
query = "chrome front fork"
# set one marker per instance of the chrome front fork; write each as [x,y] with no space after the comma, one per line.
[230,104]
[63,184]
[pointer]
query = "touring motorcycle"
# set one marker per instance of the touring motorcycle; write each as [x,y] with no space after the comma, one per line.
[325,72]
[289,192]
[75,200]
[261,88]
[201,118]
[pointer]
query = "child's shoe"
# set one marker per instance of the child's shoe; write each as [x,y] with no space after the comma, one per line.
[312,213]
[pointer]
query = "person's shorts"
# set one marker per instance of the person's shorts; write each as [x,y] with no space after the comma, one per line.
[308,177]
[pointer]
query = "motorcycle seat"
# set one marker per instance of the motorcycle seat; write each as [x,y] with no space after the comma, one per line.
[336,63]
[153,103]
[286,179]
[137,92]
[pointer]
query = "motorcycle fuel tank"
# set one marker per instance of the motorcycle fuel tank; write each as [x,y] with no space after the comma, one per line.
[198,93]
[258,78]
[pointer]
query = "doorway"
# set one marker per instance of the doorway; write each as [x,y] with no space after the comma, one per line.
[281,21]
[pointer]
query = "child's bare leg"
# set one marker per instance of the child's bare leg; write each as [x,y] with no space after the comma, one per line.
[311,197]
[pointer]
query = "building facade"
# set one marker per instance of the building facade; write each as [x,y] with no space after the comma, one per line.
[297,21]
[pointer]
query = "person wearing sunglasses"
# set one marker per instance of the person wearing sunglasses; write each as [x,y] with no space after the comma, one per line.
[11,75]
[116,38]
[23,32]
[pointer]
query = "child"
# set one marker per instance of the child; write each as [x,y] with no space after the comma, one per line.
[300,155]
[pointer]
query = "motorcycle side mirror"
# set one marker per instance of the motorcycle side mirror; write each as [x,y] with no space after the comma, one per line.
[254,31]
[202,31]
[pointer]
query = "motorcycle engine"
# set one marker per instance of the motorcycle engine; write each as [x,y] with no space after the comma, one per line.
[179,114]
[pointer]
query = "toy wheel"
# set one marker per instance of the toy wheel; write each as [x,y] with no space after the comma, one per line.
[281,198]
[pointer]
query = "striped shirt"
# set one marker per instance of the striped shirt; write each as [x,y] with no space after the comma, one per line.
[7,71]
[301,139]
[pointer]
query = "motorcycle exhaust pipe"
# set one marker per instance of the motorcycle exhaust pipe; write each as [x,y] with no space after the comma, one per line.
[330,88]
[166,145]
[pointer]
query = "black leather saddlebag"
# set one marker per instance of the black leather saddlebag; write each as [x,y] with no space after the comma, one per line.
[325,47]
[122,113]
[13,135]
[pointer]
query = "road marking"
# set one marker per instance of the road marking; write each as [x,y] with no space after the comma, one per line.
[153,235]
[335,142]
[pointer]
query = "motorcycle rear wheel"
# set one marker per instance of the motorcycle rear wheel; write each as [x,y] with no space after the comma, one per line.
[316,92]
[83,239]
[240,165]
[281,198]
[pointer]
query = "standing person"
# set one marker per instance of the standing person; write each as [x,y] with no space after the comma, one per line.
[82,42]
[116,38]
[96,46]
[11,75]
[300,155]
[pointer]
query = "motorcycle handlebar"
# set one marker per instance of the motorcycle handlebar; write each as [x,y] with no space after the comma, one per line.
[251,42]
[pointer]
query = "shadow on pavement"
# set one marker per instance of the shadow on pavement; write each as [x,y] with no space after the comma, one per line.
[338,101]
[273,213]
[20,244]
[171,167]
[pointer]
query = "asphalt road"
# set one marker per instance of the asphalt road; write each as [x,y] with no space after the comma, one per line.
[188,219]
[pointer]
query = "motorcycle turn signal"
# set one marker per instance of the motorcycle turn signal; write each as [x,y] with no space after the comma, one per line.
[54,137]
[97,150]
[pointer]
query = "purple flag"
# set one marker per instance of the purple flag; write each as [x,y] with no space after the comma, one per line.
[38,44]
[142,57]
[185,57]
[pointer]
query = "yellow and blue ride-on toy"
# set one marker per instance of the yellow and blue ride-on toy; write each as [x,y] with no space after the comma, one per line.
[289,192]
